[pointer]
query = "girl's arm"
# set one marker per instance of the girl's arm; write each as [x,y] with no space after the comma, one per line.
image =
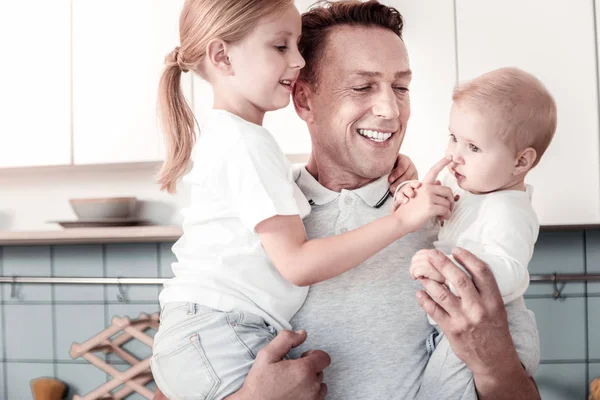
[305,262]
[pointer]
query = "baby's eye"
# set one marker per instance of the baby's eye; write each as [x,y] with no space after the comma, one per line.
[453,138]
[473,148]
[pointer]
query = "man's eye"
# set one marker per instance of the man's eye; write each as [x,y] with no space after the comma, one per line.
[473,148]
[361,89]
[281,48]
[401,89]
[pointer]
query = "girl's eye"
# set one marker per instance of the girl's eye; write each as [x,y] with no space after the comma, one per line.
[281,48]
[474,148]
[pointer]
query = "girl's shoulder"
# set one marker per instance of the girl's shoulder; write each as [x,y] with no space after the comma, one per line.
[233,131]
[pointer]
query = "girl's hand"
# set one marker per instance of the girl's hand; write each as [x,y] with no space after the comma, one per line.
[430,200]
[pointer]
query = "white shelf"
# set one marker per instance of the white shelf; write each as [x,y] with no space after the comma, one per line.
[129,234]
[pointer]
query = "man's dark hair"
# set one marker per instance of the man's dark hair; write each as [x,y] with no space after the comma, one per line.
[318,22]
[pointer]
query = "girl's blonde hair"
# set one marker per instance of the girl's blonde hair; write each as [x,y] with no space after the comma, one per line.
[201,21]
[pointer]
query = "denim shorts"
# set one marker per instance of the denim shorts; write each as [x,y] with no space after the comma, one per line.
[201,353]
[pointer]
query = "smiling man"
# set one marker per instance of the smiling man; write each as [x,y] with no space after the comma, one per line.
[354,96]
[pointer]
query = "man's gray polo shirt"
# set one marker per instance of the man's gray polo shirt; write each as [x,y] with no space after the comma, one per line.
[368,318]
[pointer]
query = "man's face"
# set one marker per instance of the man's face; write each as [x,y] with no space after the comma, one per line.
[362,104]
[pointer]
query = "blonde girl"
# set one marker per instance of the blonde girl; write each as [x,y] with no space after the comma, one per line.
[244,263]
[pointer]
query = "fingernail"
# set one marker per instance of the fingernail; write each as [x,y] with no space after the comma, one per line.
[419,295]
[301,332]
[457,250]
[438,256]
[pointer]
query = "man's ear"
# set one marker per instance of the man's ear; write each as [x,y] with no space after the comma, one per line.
[525,160]
[301,95]
[217,56]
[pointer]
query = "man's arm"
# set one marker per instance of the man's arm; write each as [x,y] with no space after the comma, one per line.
[476,326]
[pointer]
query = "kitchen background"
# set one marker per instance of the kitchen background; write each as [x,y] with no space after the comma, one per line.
[78,120]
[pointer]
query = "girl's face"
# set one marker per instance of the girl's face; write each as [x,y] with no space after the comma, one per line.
[266,63]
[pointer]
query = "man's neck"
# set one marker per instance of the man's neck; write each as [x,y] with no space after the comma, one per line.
[334,177]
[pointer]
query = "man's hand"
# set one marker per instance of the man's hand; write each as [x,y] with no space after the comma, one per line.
[476,326]
[272,378]
[404,170]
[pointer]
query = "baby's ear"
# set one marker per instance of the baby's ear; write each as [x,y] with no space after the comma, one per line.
[217,56]
[525,160]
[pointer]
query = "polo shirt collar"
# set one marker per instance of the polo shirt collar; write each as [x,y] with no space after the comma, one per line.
[374,194]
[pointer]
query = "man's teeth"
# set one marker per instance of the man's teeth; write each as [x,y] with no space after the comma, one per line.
[375,135]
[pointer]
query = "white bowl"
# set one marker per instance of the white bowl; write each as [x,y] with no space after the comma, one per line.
[108,207]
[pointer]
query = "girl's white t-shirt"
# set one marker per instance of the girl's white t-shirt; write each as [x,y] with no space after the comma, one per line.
[240,177]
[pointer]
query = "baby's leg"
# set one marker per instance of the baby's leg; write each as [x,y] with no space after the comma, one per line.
[205,354]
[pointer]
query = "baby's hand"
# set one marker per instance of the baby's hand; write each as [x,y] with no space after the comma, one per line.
[421,266]
[405,193]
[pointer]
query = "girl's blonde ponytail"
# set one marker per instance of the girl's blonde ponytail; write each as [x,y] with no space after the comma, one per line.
[177,120]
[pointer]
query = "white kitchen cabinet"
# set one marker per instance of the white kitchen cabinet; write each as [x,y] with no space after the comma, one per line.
[555,43]
[429,36]
[119,48]
[35,99]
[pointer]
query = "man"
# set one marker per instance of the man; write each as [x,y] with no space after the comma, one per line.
[354,89]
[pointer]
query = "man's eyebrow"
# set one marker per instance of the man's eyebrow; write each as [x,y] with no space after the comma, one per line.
[403,74]
[374,74]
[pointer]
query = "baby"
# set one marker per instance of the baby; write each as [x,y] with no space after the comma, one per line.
[501,123]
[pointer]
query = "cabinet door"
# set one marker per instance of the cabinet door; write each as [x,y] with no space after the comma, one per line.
[429,36]
[557,45]
[35,97]
[119,48]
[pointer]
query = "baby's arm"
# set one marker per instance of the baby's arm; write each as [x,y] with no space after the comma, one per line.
[508,235]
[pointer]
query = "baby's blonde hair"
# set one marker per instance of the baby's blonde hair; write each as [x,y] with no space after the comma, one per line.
[201,21]
[522,109]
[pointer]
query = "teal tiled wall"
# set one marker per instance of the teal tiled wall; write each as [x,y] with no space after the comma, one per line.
[41,322]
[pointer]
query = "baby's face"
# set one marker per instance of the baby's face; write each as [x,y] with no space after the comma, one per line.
[481,162]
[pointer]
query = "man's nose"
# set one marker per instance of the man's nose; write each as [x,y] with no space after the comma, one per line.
[386,104]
